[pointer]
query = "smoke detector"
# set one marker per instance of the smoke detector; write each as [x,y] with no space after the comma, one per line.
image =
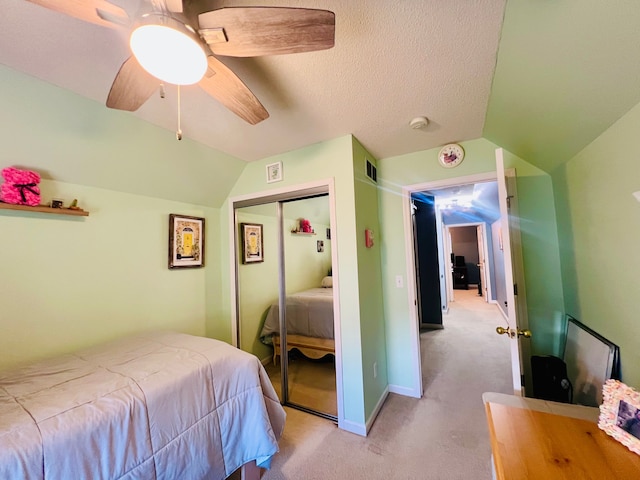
[419,122]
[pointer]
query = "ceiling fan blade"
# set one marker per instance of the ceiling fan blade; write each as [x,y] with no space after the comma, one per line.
[225,86]
[132,86]
[174,6]
[87,10]
[256,31]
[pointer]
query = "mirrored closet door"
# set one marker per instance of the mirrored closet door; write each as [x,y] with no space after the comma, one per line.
[284,258]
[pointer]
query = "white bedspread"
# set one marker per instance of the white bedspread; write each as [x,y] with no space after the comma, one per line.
[309,313]
[158,406]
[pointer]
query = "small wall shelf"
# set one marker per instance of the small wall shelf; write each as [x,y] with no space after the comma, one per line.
[303,233]
[44,209]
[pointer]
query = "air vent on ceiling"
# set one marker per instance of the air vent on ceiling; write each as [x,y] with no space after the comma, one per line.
[372,172]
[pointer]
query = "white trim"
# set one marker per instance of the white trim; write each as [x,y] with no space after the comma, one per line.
[363,429]
[376,410]
[354,427]
[443,271]
[407,190]
[412,291]
[329,183]
[407,392]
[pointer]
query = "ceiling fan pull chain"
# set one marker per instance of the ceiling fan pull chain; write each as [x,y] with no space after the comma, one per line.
[179,132]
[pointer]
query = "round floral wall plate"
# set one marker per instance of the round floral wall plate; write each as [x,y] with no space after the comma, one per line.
[451,155]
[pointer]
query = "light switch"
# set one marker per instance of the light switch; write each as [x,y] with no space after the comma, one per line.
[399,282]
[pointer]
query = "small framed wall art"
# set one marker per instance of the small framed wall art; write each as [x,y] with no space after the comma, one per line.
[252,243]
[186,241]
[274,172]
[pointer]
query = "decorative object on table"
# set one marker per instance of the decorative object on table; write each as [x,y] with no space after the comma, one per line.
[252,243]
[620,414]
[74,205]
[274,172]
[186,241]
[20,187]
[56,203]
[451,155]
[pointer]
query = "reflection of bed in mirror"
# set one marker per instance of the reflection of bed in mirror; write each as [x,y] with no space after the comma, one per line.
[309,323]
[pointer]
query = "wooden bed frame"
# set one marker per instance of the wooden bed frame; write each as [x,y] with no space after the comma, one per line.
[311,347]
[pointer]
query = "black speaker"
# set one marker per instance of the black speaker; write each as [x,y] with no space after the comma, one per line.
[550,380]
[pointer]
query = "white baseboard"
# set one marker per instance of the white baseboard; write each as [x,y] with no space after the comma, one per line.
[353,427]
[376,410]
[406,391]
[362,429]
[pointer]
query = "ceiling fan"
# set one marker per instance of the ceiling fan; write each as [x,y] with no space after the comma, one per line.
[231,31]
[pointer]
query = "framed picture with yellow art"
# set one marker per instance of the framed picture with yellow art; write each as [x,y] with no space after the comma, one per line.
[252,244]
[186,241]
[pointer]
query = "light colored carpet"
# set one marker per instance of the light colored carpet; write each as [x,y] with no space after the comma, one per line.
[440,436]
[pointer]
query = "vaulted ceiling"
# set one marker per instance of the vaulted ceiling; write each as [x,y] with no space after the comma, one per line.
[541,78]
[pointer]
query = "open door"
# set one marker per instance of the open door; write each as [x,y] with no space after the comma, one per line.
[427,260]
[517,324]
[482,264]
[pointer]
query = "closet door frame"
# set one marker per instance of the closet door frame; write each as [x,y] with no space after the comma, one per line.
[279,195]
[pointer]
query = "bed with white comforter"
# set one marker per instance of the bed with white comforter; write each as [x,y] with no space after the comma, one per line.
[309,313]
[163,405]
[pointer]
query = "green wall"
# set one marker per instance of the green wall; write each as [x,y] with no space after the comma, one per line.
[72,139]
[70,282]
[372,329]
[333,159]
[599,226]
[539,239]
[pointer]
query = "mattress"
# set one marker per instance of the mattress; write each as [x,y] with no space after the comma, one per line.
[163,405]
[308,313]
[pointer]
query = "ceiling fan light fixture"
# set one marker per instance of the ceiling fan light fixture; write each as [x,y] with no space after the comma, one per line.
[168,50]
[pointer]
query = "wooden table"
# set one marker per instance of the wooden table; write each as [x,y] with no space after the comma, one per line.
[537,439]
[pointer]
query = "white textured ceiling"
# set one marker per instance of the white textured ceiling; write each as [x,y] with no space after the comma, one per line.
[393,60]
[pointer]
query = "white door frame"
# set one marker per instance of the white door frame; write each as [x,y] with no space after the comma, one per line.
[517,318]
[484,247]
[268,196]
[407,190]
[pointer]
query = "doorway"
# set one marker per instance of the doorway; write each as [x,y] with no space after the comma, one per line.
[466,245]
[455,238]
[460,204]
[281,282]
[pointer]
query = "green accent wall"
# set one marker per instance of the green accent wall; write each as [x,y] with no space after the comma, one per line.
[372,324]
[69,138]
[599,226]
[71,282]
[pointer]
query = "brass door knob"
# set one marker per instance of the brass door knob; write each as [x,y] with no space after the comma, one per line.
[502,330]
[524,333]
